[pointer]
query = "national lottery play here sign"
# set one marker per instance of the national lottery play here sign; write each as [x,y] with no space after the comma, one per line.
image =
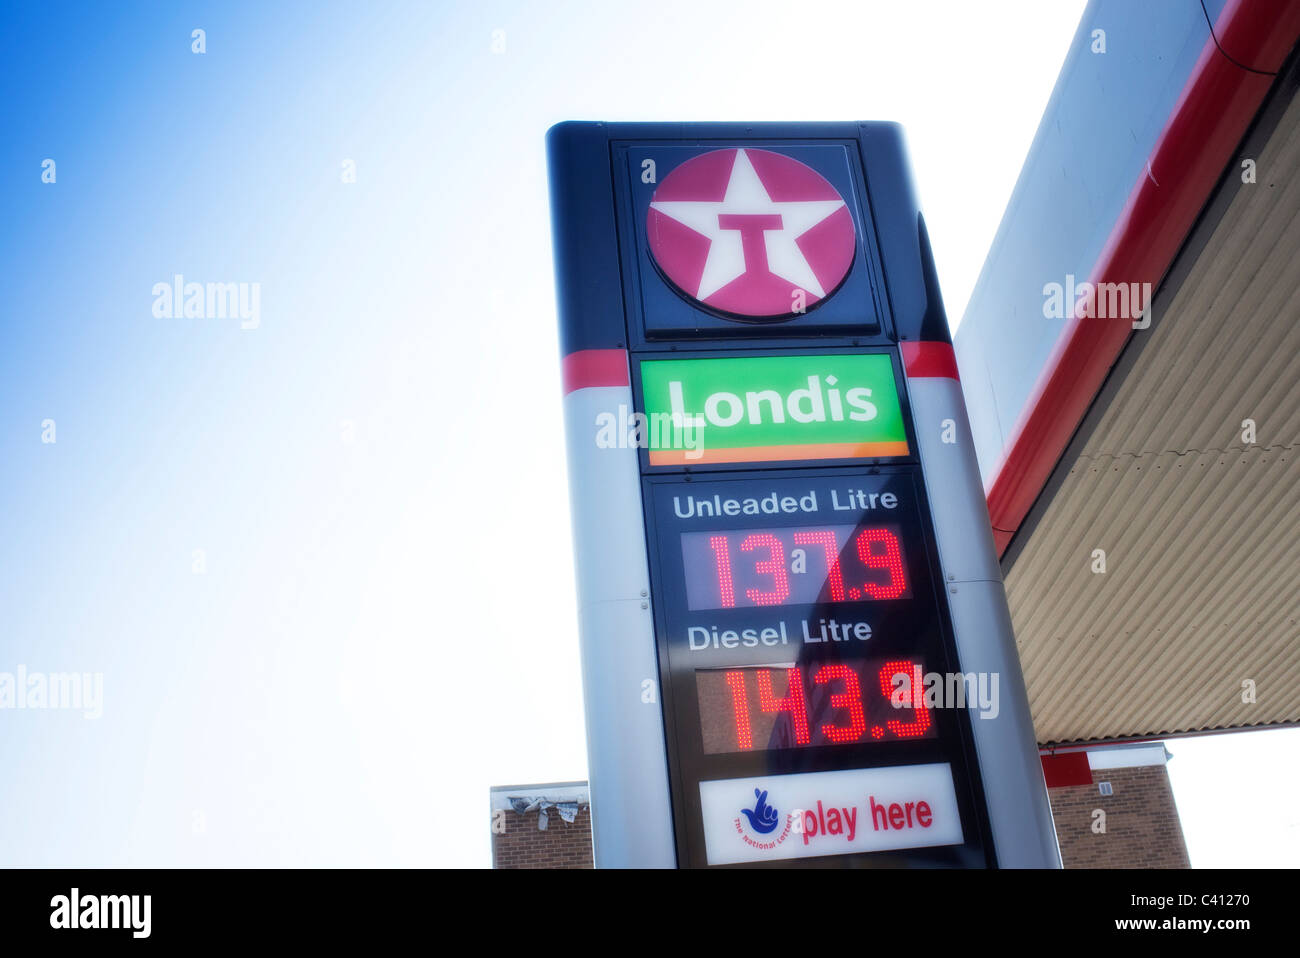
[812,814]
[773,408]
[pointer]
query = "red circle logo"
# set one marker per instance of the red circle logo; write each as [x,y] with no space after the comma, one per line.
[751,233]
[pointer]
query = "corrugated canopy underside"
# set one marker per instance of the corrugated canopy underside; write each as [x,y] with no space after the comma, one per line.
[1200,529]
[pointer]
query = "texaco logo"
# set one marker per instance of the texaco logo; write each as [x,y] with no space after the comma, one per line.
[750,233]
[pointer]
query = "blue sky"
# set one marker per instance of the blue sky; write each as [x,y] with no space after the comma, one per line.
[283,545]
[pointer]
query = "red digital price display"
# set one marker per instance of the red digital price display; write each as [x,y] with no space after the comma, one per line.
[831,703]
[793,566]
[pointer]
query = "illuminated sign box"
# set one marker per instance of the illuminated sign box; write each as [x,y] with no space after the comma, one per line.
[824,272]
[798,625]
[765,535]
[772,409]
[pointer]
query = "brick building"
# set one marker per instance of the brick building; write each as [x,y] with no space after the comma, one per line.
[541,826]
[1114,807]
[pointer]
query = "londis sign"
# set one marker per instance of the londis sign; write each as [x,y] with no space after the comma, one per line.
[774,408]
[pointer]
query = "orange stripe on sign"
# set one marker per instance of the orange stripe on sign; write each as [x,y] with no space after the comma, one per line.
[817,450]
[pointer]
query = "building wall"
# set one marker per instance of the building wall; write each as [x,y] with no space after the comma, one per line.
[1142,826]
[518,843]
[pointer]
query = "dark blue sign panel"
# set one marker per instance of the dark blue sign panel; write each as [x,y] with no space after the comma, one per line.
[770,239]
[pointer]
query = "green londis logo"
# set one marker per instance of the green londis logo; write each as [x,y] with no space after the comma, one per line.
[774,408]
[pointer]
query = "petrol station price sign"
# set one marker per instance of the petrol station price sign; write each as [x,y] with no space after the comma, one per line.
[798,615]
[783,538]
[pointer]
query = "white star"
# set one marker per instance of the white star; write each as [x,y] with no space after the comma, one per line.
[746,196]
